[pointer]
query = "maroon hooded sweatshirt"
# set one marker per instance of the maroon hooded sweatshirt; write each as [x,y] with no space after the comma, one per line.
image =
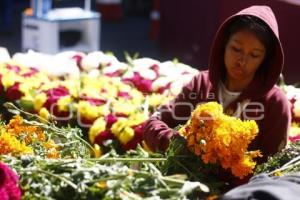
[262,100]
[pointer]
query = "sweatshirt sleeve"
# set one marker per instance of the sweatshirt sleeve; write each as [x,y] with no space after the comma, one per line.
[159,128]
[274,133]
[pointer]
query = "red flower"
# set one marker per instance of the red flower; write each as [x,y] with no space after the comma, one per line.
[155,68]
[1,85]
[121,115]
[103,136]
[294,138]
[110,120]
[53,95]
[13,93]
[164,88]
[124,95]
[16,69]
[32,72]
[137,139]
[93,101]
[78,59]
[143,85]
[114,74]
[9,189]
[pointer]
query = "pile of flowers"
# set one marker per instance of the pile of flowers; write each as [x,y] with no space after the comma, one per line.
[220,139]
[22,137]
[50,161]
[110,99]
[145,74]
[18,139]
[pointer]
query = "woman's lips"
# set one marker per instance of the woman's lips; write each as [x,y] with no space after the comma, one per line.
[238,71]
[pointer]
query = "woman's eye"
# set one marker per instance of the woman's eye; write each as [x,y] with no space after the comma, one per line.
[236,49]
[254,56]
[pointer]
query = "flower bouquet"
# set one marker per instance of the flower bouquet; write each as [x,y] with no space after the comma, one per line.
[212,143]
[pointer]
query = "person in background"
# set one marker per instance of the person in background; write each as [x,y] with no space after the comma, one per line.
[246,60]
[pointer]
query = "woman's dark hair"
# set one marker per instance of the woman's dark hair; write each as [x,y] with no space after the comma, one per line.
[259,28]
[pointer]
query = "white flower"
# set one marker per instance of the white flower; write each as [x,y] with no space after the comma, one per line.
[176,87]
[148,74]
[94,73]
[292,92]
[166,68]
[128,75]
[188,187]
[160,82]
[94,59]
[187,68]
[116,66]
[69,54]
[4,55]
[170,68]
[54,65]
[143,63]
[31,59]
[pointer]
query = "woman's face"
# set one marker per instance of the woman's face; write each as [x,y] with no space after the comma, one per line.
[243,55]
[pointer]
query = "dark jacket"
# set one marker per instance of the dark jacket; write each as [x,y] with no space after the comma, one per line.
[261,100]
[263,187]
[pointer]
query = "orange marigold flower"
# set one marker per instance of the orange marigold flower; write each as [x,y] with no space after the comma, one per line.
[17,128]
[218,138]
[9,144]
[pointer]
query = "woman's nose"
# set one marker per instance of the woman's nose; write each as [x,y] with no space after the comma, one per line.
[242,60]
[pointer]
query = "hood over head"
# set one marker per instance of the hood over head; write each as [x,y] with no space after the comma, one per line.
[259,85]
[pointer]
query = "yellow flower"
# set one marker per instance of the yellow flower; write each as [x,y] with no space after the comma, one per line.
[278,173]
[137,97]
[97,151]
[118,126]
[137,118]
[64,103]
[124,107]
[73,86]
[51,149]
[25,87]
[216,137]
[10,79]
[102,185]
[9,144]
[44,113]
[53,153]
[294,130]
[156,100]
[39,101]
[122,130]
[98,126]
[90,112]
[126,135]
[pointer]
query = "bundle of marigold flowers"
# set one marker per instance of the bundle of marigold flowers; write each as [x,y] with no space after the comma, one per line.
[18,138]
[220,139]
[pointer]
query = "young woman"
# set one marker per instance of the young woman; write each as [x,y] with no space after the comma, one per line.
[245,63]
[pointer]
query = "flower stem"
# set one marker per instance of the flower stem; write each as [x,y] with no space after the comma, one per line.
[70,183]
